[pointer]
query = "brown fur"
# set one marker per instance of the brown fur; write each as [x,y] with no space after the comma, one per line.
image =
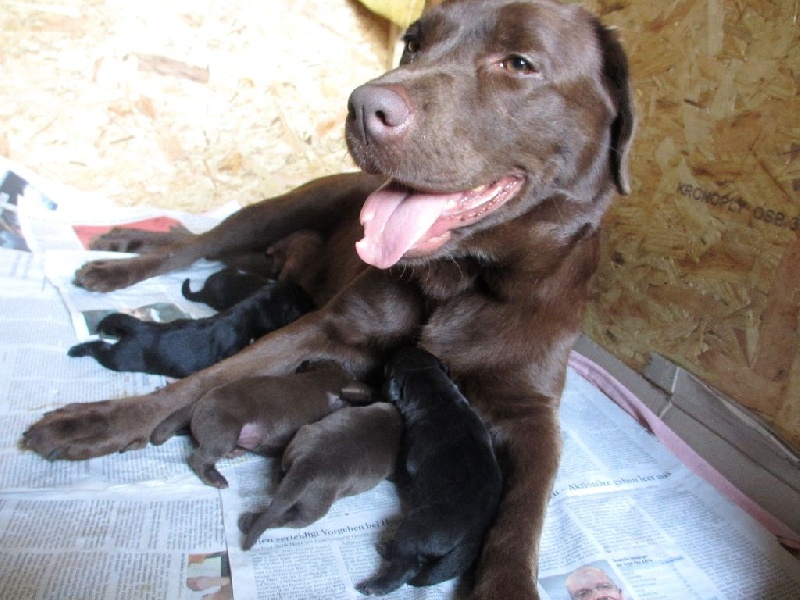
[261,414]
[346,453]
[500,302]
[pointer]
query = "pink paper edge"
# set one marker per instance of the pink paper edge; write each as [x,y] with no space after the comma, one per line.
[631,404]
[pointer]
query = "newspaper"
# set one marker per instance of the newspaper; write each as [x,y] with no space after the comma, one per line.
[141,525]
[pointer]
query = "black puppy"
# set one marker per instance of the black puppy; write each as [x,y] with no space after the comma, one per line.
[455,481]
[225,288]
[185,346]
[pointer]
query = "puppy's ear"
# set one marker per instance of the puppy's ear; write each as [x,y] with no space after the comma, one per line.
[616,75]
[304,366]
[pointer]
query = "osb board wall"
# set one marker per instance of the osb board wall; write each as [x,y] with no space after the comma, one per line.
[702,260]
[184,104]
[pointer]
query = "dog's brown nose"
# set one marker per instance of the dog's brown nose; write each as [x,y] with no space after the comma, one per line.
[377,111]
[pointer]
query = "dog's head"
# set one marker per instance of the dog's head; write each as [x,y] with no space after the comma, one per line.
[495,107]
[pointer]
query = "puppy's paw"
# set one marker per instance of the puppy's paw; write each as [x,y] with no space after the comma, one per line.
[246,521]
[366,589]
[251,529]
[208,472]
[377,586]
[118,325]
[86,349]
[82,431]
[357,393]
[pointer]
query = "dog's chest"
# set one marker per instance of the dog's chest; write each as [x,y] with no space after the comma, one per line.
[445,280]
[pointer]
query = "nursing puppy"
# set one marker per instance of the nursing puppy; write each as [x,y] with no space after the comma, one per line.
[223,289]
[346,453]
[184,346]
[293,258]
[260,414]
[455,481]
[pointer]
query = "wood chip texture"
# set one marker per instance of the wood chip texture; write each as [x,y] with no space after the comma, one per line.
[183,104]
[702,261]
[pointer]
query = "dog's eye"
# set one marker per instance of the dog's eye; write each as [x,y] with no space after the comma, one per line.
[518,65]
[412,45]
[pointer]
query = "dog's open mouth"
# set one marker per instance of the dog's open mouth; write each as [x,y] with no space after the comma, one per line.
[399,221]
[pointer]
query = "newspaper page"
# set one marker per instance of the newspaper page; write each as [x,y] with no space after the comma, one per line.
[624,511]
[325,560]
[624,505]
[121,544]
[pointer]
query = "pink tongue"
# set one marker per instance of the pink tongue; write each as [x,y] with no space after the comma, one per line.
[394,220]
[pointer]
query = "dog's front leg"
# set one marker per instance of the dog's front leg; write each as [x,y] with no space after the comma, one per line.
[528,451]
[317,205]
[372,314]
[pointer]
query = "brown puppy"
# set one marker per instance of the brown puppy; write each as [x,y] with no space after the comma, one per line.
[503,136]
[259,414]
[346,453]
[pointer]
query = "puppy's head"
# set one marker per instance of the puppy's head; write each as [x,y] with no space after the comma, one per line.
[495,107]
[406,365]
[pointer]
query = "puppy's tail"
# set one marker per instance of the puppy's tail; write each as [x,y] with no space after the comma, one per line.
[187,292]
[169,426]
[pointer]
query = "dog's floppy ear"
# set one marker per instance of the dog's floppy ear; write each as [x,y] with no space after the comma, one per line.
[615,73]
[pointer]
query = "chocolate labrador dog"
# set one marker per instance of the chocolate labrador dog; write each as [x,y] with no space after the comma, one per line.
[489,157]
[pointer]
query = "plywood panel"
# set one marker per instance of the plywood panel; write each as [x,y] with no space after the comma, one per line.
[702,261]
[184,104]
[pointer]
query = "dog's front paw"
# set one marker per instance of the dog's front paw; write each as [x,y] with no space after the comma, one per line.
[108,275]
[126,239]
[83,431]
